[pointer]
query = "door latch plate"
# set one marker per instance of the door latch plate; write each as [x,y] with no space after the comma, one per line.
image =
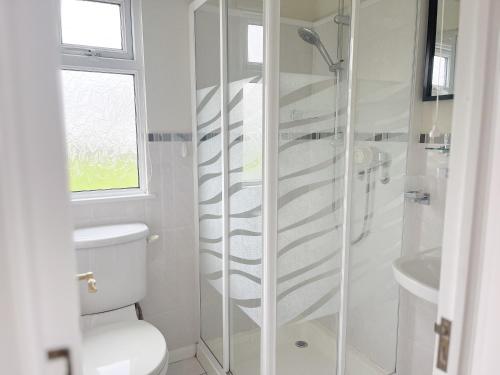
[444,332]
[61,353]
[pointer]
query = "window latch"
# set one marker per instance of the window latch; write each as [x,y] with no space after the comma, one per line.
[91,52]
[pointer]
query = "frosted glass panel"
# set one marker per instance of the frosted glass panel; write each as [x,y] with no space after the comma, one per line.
[91,23]
[311,185]
[209,165]
[245,180]
[100,119]
[382,106]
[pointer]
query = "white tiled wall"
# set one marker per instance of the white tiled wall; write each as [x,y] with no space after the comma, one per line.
[416,335]
[171,301]
[423,231]
[423,225]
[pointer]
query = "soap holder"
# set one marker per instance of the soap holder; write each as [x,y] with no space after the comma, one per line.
[417,196]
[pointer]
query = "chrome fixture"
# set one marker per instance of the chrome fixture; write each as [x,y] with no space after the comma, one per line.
[152,238]
[419,197]
[312,37]
[341,19]
[440,143]
[372,159]
[91,282]
[445,149]
[385,161]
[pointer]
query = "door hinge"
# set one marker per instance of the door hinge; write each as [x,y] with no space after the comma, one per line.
[444,332]
[61,354]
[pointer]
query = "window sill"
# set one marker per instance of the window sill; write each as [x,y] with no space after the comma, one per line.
[113,198]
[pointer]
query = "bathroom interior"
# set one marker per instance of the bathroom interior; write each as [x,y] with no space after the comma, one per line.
[164,108]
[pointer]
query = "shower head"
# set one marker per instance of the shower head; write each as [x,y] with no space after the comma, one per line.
[312,37]
[309,36]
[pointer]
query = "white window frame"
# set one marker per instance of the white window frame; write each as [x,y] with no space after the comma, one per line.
[127,36]
[129,61]
[252,66]
[249,23]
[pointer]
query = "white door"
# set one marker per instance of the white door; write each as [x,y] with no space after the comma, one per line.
[468,207]
[39,311]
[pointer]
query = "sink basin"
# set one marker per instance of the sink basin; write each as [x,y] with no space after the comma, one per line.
[419,273]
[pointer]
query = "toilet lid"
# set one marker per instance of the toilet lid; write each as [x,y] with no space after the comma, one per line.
[126,348]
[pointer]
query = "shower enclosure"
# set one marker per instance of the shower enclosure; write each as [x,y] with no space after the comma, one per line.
[301,118]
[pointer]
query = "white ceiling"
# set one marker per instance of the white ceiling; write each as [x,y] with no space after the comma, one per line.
[305,10]
[310,10]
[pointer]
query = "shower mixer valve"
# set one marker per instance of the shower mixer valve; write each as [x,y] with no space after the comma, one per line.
[370,159]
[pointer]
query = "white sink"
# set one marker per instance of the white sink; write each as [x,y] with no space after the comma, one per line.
[419,273]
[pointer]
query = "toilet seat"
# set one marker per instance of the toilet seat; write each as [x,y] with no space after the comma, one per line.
[125,348]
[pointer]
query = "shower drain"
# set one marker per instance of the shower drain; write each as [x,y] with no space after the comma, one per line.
[301,344]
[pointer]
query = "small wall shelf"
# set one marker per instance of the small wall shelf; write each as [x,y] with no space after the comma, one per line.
[440,143]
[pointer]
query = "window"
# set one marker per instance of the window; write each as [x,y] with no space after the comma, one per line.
[105,18]
[101,130]
[97,27]
[255,44]
[443,67]
[440,72]
[103,97]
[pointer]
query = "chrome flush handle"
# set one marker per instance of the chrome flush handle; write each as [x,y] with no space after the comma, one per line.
[91,282]
[152,238]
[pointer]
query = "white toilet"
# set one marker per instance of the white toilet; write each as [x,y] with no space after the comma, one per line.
[115,341]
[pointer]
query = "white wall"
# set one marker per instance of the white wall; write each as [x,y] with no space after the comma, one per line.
[445,112]
[171,303]
[166,55]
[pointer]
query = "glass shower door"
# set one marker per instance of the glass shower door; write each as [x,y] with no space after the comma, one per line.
[382,93]
[311,151]
[245,89]
[337,302]
[229,147]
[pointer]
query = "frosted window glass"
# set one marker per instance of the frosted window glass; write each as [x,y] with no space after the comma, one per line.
[91,23]
[255,44]
[100,121]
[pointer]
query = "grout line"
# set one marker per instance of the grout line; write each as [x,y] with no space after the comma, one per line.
[203,369]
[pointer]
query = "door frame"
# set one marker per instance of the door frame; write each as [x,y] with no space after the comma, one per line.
[40,305]
[466,217]
[482,323]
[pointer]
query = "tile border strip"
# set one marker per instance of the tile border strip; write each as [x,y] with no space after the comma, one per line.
[291,136]
[441,139]
[169,137]
[303,136]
